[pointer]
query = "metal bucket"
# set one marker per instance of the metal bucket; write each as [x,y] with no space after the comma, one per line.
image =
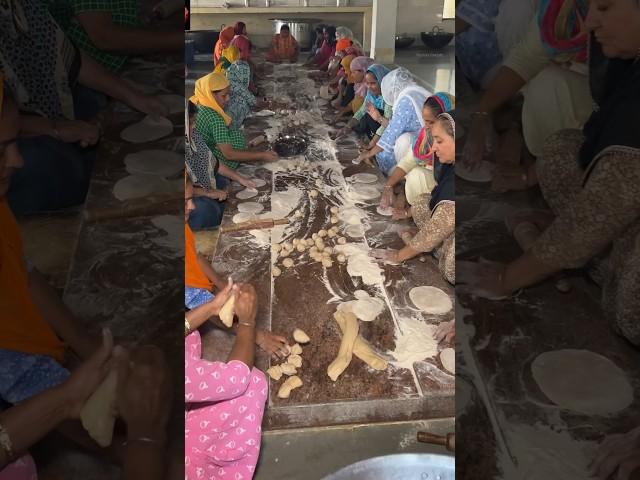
[406,466]
[299,28]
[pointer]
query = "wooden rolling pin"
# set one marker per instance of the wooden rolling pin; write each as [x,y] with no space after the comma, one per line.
[153,204]
[254,225]
[448,441]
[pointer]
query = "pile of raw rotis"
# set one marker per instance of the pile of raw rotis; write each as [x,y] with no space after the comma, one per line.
[315,246]
[290,367]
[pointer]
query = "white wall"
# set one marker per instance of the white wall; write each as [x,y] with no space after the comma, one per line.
[415,16]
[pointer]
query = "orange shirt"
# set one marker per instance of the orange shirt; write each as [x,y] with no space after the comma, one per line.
[284,48]
[22,326]
[194,277]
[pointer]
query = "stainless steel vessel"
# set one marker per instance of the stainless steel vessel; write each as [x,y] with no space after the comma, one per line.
[403,466]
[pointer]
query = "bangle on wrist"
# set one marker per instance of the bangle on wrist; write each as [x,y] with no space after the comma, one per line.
[187,327]
[247,324]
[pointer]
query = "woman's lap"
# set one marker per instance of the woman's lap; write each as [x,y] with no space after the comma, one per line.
[207,214]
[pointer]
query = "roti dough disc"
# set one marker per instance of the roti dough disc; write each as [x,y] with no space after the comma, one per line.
[364,192]
[448,359]
[147,130]
[246,194]
[250,207]
[430,300]
[137,186]
[243,217]
[155,162]
[582,381]
[364,178]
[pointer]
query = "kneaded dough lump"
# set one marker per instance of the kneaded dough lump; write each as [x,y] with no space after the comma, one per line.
[228,311]
[97,415]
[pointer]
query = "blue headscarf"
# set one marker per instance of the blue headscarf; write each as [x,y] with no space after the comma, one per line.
[379,71]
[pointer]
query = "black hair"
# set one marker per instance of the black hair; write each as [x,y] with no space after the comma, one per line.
[193,109]
[331,34]
[434,106]
[285,27]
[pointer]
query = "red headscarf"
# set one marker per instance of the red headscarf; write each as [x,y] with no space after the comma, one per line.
[243,44]
[226,35]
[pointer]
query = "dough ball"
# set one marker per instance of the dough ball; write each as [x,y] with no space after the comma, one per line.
[322,233]
[276,247]
[287,262]
[295,360]
[326,254]
[284,253]
[295,241]
[275,271]
[331,234]
[287,246]
[288,369]
[342,240]
[334,219]
[301,247]
[319,243]
[298,214]
[275,372]
[327,250]
[310,242]
[300,336]
[334,210]
[326,262]
[314,236]
[313,193]
[341,258]
[296,349]
[313,250]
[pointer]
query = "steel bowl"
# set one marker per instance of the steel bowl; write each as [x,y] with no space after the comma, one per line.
[400,467]
[404,42]
[290,145]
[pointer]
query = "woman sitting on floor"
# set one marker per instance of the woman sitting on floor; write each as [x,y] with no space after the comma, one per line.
[401,91]
[224,40]
[209,177]
[355,70]
[212,94]
[373,115]
[326,51]
[284,48]
[244,45]
[435,213]
[414,155]
[241,100]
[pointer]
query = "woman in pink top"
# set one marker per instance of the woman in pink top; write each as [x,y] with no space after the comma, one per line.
[224,401]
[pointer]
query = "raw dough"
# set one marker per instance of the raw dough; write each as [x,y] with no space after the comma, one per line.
[276,247]
[310,242]
[322,233]
[484,172]
[334,210]
[287,263]
[345,352]
[430,300]
[243,217]
[259,182]
[173,225]
[331,233]
[264,113]
[155,162]
[275,372]
[296,349]
[387,212]
[366,308]
[334,219]
[289,384]
[250,207]
[174,103]
[448,359]
[300,337]
[295,242]
[361,348]
[342,240]
[147,130]
[354,231]
[341,258]
[295,360]
[227,311]
[360,192]
[288,369]
[313,193]
[275,271]
[137,186]
[327,263]
[246,194]
[301,247]
[97,415]
[364,178]
[328,250]
[582,381]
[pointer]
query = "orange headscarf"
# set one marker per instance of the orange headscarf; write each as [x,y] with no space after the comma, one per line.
[193,275]
[226,35]
[203,94]
[342,44]
[23,328]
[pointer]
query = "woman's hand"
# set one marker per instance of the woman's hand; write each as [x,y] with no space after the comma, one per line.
[483,279]
[400,214]
[478,143]
[274,345]
[385,255]
[387,197]
[269,156]
[88,376]
[373,112]
[618,455]
[144,393]
[245,182]
[148,104]
[77,131]
[246,306]
[446,332]
[223,295]
[220,195]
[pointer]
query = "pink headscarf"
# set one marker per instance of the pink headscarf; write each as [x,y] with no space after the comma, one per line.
[243,44]
[361,63]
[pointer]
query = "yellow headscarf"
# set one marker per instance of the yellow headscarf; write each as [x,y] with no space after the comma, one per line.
[231,54]
[203,95]
[346,63]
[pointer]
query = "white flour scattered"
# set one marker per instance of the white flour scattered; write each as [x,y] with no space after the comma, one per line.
[360,264]
[414,342]
[365,307]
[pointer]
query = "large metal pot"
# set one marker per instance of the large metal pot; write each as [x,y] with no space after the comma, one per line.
[300,29]
[403,466]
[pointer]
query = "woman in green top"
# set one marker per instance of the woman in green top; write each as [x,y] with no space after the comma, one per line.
[212,94]
[374,114]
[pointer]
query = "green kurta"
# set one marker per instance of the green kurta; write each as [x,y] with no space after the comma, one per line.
[214,131]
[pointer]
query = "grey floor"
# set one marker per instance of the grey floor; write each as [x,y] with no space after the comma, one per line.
[311,454]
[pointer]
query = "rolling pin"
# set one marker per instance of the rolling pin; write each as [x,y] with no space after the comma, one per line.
[153,204]
[448,441]
[254,225]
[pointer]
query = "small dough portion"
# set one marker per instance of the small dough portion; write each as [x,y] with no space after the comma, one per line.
[97,415]
[148,129]
[288,369]
[296,349]
[275,271]
[287,262]
[342,240]
[275,372]
[327,263]
[227,311]
[295,360]
[300,337]
[341,258]
[289,384]
[431,300]
[313,193]
[334,210]
[448,359]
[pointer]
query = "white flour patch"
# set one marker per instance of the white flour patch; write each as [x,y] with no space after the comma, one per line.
[360,264]
[365,307]
[415,342]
